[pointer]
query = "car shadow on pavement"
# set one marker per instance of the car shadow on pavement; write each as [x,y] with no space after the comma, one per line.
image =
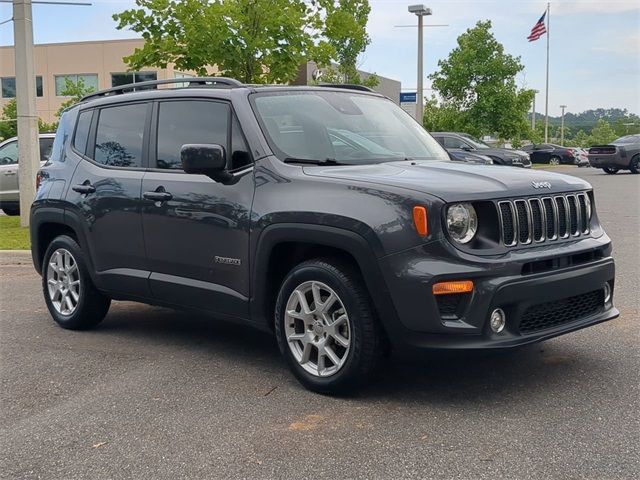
[460,377]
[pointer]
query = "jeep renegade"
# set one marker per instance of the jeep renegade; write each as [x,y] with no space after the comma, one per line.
[323,214]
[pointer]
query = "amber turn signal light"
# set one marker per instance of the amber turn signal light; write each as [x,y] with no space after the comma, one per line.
[420,220]
[458,286]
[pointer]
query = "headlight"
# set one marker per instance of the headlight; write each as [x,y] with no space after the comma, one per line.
[462,222]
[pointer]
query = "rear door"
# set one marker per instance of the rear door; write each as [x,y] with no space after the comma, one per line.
[104,195]
[197,234]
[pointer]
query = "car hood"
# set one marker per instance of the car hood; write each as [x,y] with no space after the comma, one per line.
[453,181]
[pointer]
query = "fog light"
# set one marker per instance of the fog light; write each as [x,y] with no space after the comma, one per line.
[607,292]
[497,320]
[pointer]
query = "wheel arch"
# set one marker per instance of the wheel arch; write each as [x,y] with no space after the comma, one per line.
[282,246]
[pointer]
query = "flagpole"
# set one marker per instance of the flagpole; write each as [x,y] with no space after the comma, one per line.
[546,102]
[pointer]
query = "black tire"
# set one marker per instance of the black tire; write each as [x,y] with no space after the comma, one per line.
[555,160]
[92,306]
[367,340]
[634,165]
[610,170]
[11,211]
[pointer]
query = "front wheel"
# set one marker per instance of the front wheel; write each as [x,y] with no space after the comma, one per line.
[326,327]
[72,299]
[634,166]
[610,170]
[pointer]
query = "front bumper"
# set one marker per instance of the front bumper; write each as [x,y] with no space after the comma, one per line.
[498,284]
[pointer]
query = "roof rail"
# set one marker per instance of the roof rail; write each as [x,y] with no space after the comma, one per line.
[346,86]
[193,82]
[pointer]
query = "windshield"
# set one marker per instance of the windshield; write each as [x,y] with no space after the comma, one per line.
[628,139]
[476,143]
[343,127]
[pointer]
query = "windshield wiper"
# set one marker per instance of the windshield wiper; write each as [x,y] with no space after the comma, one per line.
[309,161]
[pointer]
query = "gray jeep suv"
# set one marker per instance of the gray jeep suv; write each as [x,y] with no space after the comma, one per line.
[325,215]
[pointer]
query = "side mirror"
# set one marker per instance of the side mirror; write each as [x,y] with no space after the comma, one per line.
[467,148]
[205,159]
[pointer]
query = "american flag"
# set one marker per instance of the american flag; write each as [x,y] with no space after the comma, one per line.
[538,29]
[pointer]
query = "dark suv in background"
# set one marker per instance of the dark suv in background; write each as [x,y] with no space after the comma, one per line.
[325,215]
[454,141]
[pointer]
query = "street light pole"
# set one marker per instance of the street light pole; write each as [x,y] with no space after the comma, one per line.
[420,11]
[562,125]
[27,119]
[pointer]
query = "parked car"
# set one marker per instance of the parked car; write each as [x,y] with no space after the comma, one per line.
[9,192]
[582,157]
[469,157]
[344,254]
[621,154]
[551,154]
[500,156]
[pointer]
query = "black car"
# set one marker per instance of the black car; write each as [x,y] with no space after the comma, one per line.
[270,206]
[469,157]
[551,154]
[500,156]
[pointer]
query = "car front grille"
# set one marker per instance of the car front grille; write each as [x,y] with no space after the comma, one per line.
[526,221]
[551,314]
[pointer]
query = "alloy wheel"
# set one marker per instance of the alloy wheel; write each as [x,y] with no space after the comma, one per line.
[317,329]
[63,282]
[554,161]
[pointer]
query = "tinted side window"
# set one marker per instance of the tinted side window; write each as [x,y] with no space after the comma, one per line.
[192,121]
[452,142]
[46,145]
[63,136]
[240,156]
[82,131]
[119,135]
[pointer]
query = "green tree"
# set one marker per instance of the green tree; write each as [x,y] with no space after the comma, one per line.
[256,41]
[8,125]
[345,35]
[439,118]
[478,79]
[75,91]
[580,140]
[602,133]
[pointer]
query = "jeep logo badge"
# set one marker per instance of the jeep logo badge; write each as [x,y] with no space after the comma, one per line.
[541,184]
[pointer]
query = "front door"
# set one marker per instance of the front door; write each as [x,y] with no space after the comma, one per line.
[196,230]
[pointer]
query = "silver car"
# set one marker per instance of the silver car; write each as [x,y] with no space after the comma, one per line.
[9,193]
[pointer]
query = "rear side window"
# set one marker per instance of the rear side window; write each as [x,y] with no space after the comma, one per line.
[184,122]
[63,137]
[119,137]
[46,145]
[82,131]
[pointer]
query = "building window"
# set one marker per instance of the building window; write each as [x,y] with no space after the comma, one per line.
[9,87]
[90,81]
[119,79]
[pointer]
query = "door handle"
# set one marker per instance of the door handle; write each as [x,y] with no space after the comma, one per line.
[84,188]
[159,195]
[10,172]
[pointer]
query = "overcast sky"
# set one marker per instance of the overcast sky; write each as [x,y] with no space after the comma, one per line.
[595,44]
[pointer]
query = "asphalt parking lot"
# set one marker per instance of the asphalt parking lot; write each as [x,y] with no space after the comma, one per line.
[158,394]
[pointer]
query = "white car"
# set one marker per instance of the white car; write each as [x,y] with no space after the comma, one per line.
[9,193]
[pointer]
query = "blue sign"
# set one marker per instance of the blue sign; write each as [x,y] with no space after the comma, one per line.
[408,97]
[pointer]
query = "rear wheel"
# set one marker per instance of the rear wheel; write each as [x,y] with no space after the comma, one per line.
[634,166]
[72,299]
[326,327]
[554,160]
[610,170]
